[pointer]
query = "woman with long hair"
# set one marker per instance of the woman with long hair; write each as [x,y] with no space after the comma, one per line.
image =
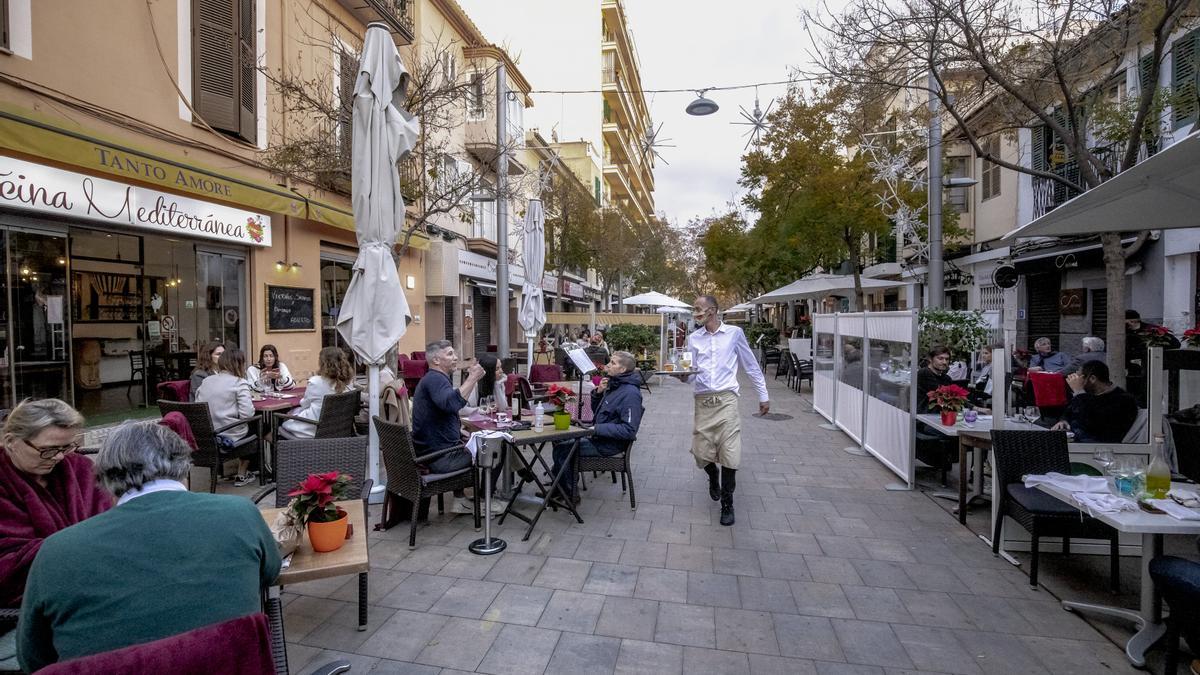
[492,384]
[228,397]
[206,364]
[334,376]
[269,373]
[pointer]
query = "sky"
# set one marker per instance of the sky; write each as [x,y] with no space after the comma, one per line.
[681,44]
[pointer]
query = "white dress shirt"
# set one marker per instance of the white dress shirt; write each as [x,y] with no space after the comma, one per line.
[158,485]
[717,355]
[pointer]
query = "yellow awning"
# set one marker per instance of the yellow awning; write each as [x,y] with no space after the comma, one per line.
[66,142]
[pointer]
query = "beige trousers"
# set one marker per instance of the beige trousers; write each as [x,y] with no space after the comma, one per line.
[717,434]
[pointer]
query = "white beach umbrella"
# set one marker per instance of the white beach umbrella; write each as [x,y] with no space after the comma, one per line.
[654,298]
[532,315]
[374,313]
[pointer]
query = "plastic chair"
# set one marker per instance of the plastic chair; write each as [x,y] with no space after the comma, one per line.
[1017,453]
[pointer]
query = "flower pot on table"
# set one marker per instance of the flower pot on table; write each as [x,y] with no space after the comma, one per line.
[328,536]
[562,421]
[949,417]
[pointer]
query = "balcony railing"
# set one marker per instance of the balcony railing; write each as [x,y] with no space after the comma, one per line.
[1049,194]
[398,14]
[609,75]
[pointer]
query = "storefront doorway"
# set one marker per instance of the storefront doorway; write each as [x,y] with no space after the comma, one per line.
[34,358]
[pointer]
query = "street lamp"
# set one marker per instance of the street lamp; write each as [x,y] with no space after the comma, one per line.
[702,106]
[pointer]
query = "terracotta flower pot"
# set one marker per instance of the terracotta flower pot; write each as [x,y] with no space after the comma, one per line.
[328,536]
[949,417]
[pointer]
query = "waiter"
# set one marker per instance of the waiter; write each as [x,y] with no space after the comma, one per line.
[717,349]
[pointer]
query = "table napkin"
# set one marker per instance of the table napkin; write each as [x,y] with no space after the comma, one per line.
[1069,483]
[1094,502]
[1176,511]
[475,442]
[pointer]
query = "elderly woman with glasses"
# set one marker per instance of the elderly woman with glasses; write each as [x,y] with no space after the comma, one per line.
[163,561]
[44,487]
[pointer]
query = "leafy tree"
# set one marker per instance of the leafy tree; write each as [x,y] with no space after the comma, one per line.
[571,213]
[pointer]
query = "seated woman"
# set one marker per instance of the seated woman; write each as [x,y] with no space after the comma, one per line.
[228,397]
[334,376]
[492,384]
[162,562]
[269,373]
[44,487]
[206,364]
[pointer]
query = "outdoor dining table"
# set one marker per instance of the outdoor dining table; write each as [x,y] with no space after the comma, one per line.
[537,441]
[308,565]
[1152,527]
[273,402]
[977,439]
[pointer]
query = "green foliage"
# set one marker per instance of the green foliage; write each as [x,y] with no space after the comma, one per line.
[629,337]
[757,330]
[963,332]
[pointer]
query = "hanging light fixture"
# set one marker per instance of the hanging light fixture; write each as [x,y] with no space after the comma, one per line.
[702,106]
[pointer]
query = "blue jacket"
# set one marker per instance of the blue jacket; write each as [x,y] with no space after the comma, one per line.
[617,412]
[1055,362]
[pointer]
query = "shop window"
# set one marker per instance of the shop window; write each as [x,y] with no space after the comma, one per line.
[224,69]
[335,279]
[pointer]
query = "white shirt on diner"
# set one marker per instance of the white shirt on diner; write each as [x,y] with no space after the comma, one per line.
[157,485]
[717,355]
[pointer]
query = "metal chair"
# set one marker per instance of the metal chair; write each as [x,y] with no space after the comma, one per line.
[785,364]
[137,367]
[296,460]
[336,419]
[617,464]
[406,480]
[1017,453]
[208,453]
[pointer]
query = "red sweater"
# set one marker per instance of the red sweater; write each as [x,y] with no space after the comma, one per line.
[29,513]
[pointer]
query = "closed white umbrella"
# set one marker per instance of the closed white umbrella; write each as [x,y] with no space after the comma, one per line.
[532,315]
[374,313]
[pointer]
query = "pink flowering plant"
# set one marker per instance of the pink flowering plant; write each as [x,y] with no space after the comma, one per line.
[313,500]
[948,397]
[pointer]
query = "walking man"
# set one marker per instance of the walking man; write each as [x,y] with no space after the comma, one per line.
[717,350]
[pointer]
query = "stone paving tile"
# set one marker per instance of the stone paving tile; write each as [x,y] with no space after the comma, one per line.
[746,631]
[767,595]
[606,579]
[403,635]
[563,573]
[791,566]
[644,554]
[690,558]
[418,592]
[935,649]
[387,667]
[832,570]
[714,662]
[461,644]
[736,561]
[340,631]
[571,611]
[519,650]
[761,664]
[876,604]
[718,590]
[358,662]
[821,599]
[686,625]
[808,637]
[467,598]
[584,654]
[661,584]
[649,658]
[515,568]
[933,609]
[599,549]
[631,618]
[870,643]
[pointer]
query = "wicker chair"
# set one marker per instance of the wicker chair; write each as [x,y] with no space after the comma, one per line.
[296,460]
[619,463]
[799,371]
[1017,453]
[405,480]
[784,367]
[1179,581]
[8,621]
[336,420]
[207,452]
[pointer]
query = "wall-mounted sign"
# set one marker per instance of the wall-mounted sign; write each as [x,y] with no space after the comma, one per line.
[43,189]
[1072,302]
[290,309]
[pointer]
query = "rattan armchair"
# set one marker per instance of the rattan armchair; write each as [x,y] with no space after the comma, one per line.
[617,464]
[336,421]
[1017,453]
[208,454]
[406,480]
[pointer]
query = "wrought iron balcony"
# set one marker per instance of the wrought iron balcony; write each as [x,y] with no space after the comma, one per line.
[397,14]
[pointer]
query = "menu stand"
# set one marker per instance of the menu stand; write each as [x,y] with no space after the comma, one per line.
[486,459]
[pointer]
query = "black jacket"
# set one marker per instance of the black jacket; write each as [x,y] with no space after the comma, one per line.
[617,412]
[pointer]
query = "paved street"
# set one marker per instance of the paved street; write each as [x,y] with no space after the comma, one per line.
[825,572]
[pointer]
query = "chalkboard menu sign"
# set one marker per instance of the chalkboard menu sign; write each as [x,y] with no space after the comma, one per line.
[290,309]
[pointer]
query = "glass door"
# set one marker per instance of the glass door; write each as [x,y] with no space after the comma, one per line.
[39,333]
[221,305]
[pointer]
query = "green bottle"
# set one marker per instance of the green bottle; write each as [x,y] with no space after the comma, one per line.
[1158,474]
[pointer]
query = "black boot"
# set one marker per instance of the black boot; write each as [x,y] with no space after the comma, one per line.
[728,484]
[714,488]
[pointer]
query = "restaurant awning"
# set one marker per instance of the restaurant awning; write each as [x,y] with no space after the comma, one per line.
[820,285]
[66,142]
[1162,192]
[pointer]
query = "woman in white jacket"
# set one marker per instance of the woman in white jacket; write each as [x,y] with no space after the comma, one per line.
[269,374]
[334,376]
[228,397]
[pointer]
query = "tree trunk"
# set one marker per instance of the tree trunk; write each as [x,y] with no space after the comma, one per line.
[1114,275]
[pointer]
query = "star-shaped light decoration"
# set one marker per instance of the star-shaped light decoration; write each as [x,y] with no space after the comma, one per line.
[651,143]
[757,121]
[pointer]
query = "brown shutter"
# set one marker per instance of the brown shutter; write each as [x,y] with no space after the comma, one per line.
[215,63]
[4,42]
[347,78]
[248,71]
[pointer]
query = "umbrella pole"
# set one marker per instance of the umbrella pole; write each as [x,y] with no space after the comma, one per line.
[377,488]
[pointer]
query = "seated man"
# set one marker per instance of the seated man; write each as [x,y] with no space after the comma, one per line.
[435,404]
[1093,350]
[1045,359]
[933,376]
[163,561]
[1100,411]
[617,410]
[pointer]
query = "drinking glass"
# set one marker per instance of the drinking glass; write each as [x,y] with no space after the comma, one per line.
[1104,457]
[489,405]
[1122,471]
[1032,414]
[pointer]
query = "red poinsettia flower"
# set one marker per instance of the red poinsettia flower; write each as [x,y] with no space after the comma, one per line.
[948,397]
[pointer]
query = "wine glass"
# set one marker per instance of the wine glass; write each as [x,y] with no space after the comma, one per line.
[1104,457]
[1032,413]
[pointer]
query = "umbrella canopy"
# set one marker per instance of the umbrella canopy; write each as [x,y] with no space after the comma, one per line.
[654,298]
[374,312]
[820,285]
[744,307]
[674,310]
[532,315]
[1160,193]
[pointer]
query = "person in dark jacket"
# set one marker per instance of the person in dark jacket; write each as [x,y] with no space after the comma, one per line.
[1100,411]
[933,376]
[617,411]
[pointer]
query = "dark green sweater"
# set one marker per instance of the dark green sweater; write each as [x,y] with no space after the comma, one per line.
[161,564]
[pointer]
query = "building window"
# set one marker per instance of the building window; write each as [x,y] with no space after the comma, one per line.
[4,41]
[336,273]
[476,96]
[596,188]
[347,78]
[449,67]
[958,198]
[989,178]
[223,65]
[1185,61]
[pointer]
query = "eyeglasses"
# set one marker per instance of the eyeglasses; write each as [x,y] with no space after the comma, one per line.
[51,451]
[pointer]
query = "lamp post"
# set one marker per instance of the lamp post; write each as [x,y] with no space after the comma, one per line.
[937,295]
[502,291]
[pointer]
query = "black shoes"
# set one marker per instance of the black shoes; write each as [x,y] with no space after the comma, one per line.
[727,509]
[714,487]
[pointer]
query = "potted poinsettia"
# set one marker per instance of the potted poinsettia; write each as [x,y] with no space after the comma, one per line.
[1191,337]
[1155,336]
[314,505]
[949,399]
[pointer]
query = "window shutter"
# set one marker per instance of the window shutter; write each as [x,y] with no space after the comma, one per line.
[1038,148]
[4,24]
[248,71]
[1183,79]
[215,63]
[347,78]
[1147,79]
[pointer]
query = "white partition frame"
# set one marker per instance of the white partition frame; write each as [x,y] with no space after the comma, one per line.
[825,377]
